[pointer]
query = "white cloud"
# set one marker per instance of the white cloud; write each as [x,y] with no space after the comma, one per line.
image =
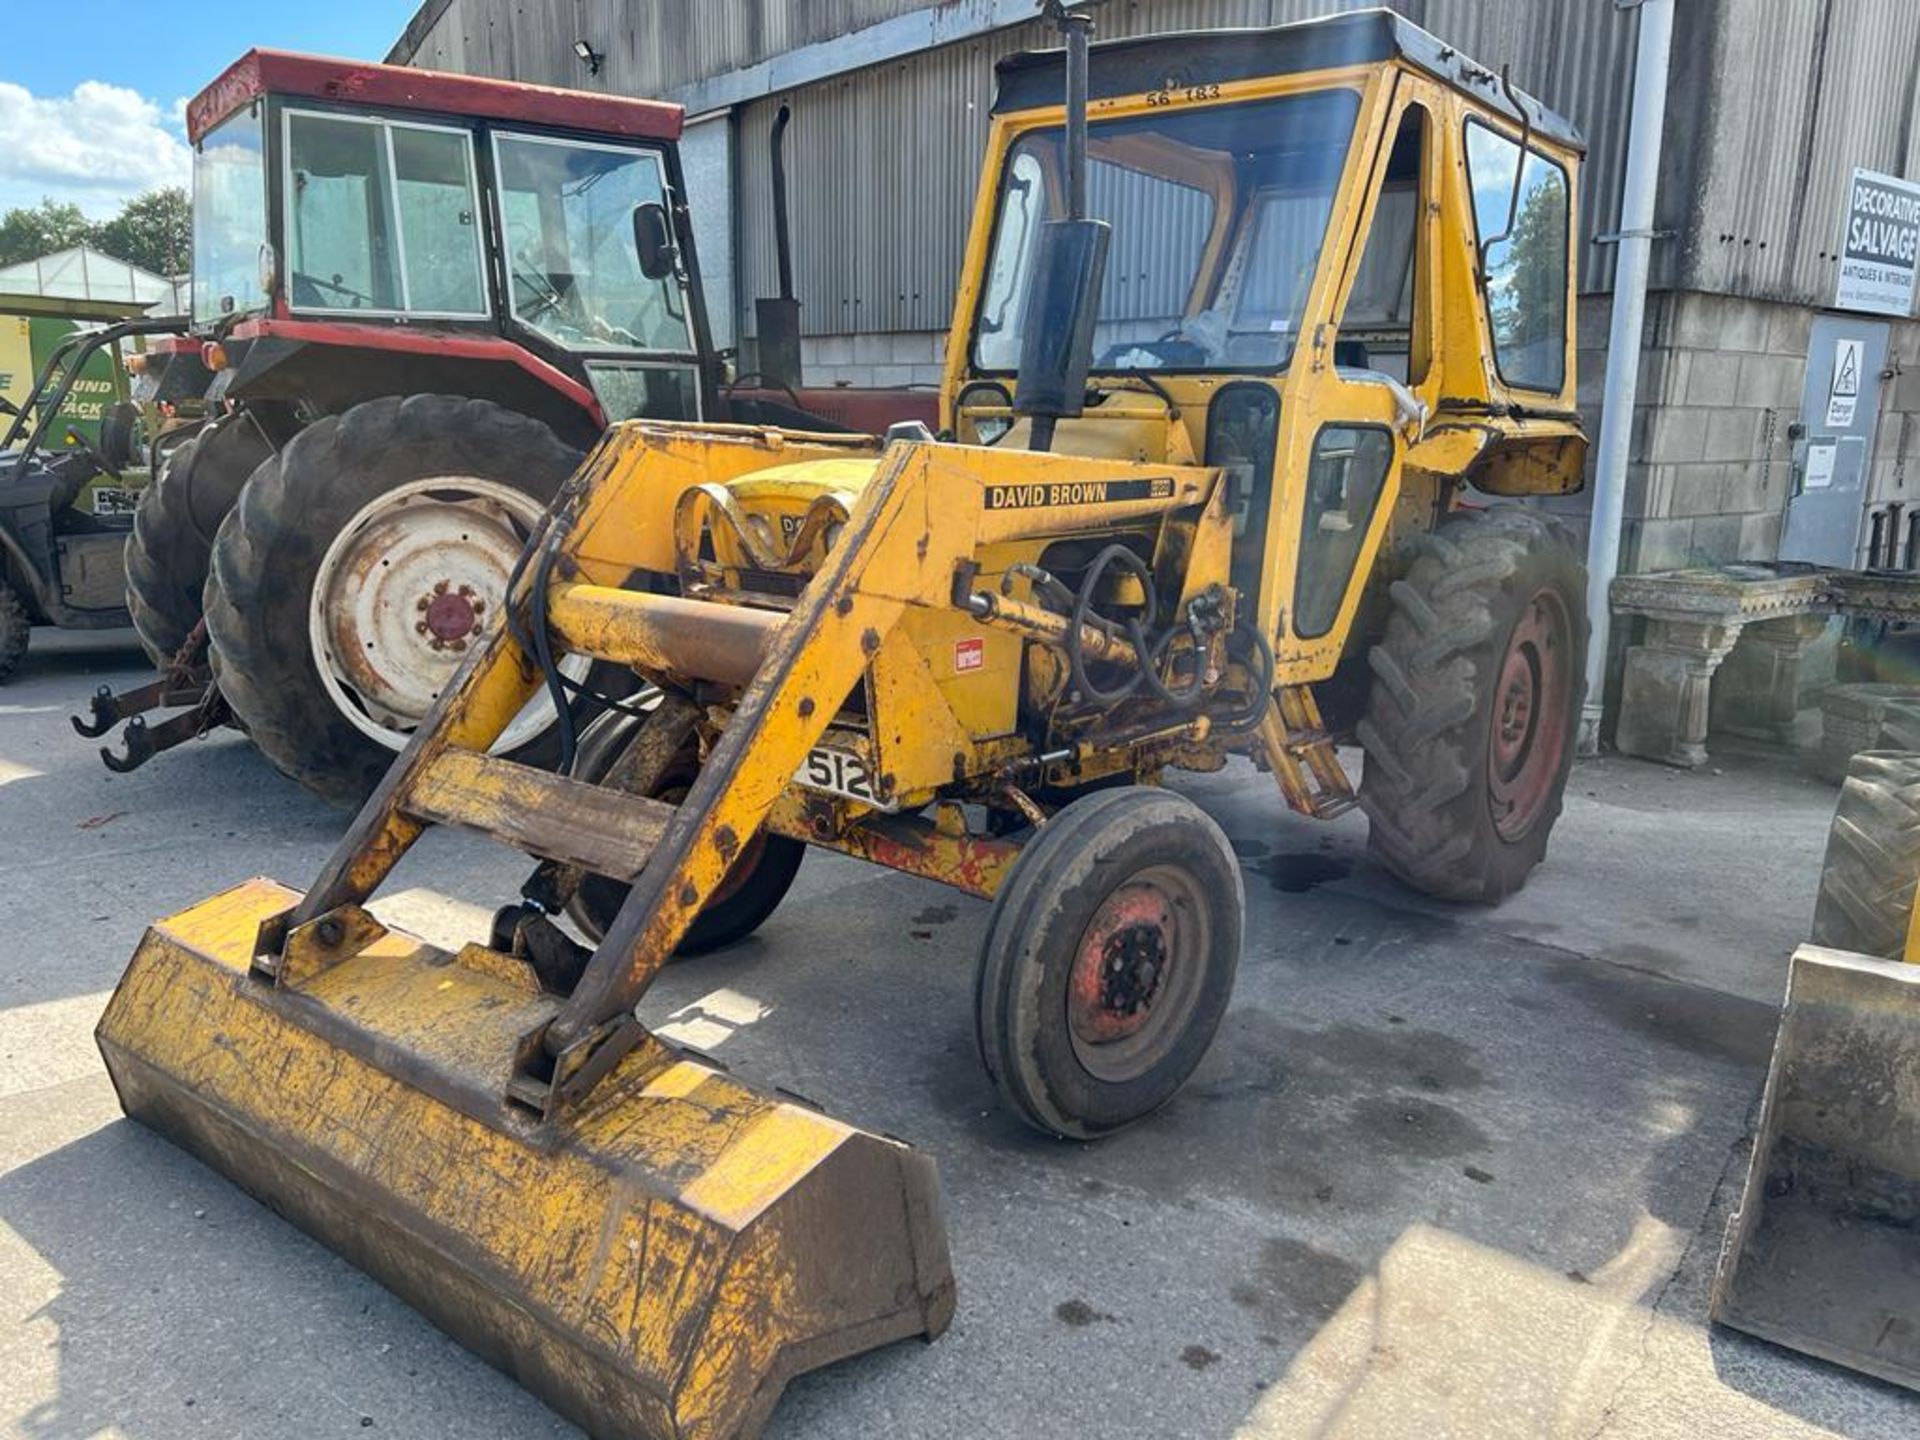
[97,147]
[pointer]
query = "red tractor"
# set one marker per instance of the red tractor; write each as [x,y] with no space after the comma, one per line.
[419,297]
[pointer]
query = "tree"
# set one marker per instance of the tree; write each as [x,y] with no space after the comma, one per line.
[27,234]
[153,231]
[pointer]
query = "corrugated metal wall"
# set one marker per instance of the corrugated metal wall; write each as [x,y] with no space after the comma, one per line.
[1799,94]
[884,162]
[1772,103]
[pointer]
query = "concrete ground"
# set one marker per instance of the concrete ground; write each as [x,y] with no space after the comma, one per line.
[1445,1172]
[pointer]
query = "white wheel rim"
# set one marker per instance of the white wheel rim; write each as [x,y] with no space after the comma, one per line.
[405,592]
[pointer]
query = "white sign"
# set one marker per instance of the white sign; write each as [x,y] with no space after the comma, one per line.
[1820,457]
[1881,247]
[1843,395]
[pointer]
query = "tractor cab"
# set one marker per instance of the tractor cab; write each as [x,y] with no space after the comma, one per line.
[530,243]
[1339,263]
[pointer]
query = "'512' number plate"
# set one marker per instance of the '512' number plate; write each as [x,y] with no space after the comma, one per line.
[833,771]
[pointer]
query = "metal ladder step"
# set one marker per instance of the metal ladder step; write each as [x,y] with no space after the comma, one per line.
[607,832]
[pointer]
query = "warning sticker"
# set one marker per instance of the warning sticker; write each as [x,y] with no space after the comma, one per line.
[969,655]
[1843,396]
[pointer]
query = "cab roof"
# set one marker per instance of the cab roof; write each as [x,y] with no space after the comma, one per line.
[1138,64]
[400,87]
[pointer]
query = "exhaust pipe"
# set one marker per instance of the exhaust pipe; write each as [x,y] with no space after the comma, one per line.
[777,321]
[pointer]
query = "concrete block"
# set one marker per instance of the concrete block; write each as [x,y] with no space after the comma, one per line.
[826,350]
[1713,378]
[1788,329]
[1697,489]
[1649,494]
[873,349]
[917,347]
[1676,435]
[892,377]
[1647,546]
[859,376]
[1731,435]
[1771,381]
[928,374]
[1718,322]
[1760,536]
[1716,539]
[1745,487]
[1663,376]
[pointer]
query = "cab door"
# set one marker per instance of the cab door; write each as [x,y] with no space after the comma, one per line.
[1350,407]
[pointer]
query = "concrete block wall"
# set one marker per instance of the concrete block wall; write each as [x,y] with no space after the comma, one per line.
[885,362]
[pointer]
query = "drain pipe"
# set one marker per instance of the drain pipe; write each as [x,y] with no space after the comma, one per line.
[1623,346]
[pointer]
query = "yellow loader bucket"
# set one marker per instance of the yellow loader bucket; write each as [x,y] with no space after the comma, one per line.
[1824,1253]
[659,1262]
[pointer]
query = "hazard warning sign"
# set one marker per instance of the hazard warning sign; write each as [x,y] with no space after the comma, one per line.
[1843,396]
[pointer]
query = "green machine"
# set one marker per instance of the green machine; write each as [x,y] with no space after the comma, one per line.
[72,463]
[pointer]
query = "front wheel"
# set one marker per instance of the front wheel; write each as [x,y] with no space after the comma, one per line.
[360,566]
[753,888]
[1109,960]
[1475,704]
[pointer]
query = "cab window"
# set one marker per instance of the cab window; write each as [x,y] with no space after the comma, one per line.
[382,216]
[1524,263]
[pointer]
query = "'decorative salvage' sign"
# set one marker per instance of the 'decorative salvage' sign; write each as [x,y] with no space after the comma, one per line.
[1882,244]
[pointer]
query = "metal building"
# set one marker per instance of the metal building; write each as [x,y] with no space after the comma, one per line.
[1772,105]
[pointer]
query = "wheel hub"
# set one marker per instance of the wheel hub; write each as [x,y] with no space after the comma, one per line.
[450,615]
[1122,965]
[1530,713]
[405,590]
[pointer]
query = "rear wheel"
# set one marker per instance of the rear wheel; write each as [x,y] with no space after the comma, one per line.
[1873,857]
[754,887]
[360,566]
[1474,706]
[174,523]
[1109,960]
[16,630]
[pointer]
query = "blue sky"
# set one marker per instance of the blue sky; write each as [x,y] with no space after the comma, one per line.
[91,90]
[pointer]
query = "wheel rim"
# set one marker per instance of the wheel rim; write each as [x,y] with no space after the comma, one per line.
[405,591]
[1136,973]
[1530,712]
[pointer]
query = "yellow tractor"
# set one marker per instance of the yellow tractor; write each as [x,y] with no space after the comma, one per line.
[1250,328]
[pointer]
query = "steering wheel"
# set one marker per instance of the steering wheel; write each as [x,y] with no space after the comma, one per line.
[546,295]
[92,452]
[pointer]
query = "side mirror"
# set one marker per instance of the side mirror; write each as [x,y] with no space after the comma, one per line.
[1063,306]
[653,241]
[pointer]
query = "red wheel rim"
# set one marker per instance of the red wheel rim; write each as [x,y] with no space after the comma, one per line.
[743,863]
[1136,973]
[1531,704]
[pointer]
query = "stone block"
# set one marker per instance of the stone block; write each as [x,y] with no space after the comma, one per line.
[1747,487]
[1771,381]
[1676,435]
[915,347]
[1718,322]
[1649,494]
[1760,536]
[1716,539]
[826,350]
[1696,489]
[873,349]
[1789,328]
[1650,545]
[1663,376]
[1732,435]
[1713,378]
[1769,681]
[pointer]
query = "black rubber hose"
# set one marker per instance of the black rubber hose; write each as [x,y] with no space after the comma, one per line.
[1249,719]
[1136,629]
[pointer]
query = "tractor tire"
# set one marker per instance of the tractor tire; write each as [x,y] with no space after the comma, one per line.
[1474,706]
[174,523]
[1109,960]
[450,464]
[753,889]
[16,630]
[1873,857]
